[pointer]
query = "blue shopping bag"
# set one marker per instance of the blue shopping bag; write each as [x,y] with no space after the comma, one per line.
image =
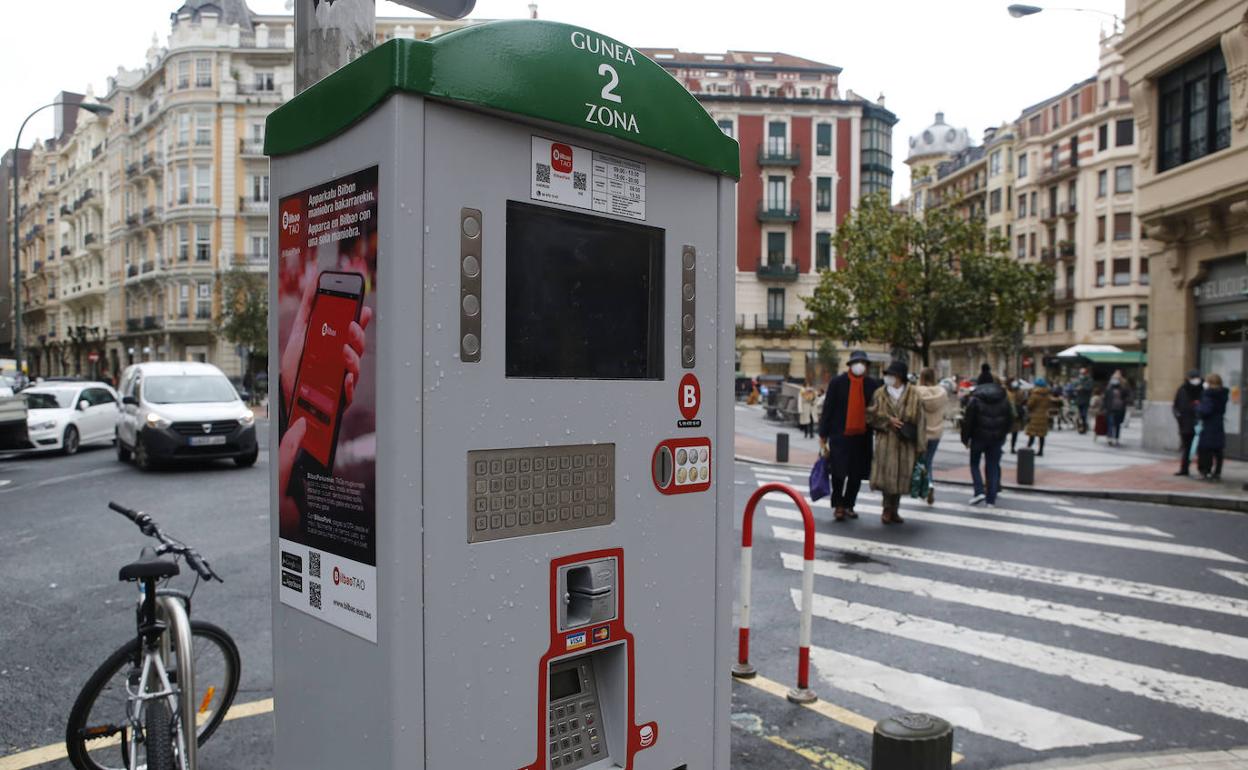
[819,484]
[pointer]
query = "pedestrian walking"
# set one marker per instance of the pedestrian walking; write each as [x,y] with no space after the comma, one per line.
[1018,409]
[1186,399]
[1038,403]
[1083,398]
[1117,399]
[806,409]
[1211,410]
[896,413]
[1096,408]
[989,416]
[935,398]
[845,433]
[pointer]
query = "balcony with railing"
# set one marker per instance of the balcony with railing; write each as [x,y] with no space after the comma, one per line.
[1066,249]
[134,324]
[65,251]
[1048,254]
[132,169]
[251,207]
[132,220]
[776,271]
[1057,173]
[256,261]
[132,271]
[1064,294]
[150,216]
[151,322]
[152,164]
[1049,214]
[149,266]
[203,313]
[92,242]
[779,155]
[766,325]
[66,210]
[251,148]
[1070,210]
[778,211]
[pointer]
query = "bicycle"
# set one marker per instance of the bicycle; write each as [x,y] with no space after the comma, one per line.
[140,700]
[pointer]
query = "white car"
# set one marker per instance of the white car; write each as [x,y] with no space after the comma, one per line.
[65,415]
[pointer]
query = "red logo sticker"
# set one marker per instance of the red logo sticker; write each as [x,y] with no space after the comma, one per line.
[561,158]
[602,634]
[689,396]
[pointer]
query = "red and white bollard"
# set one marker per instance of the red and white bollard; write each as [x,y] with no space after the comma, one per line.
[742,668]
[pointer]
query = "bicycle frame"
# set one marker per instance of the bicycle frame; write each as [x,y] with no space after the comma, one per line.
[166,629]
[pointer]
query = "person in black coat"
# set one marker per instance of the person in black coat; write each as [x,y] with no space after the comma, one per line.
[1212,412]
[845,435]
[988,420]
[1186,399]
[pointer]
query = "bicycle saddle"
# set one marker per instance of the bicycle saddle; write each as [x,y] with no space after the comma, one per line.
[149,565]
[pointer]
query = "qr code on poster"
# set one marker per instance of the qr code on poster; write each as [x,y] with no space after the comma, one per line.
[314,564]
[314,595]
[543,173]
[578,180]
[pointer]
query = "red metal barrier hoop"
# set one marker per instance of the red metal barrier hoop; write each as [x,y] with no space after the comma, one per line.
[742,668]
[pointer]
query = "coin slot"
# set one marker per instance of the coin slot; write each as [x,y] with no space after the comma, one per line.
[663,467]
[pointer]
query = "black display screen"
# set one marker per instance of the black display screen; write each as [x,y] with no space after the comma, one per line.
[564,683]
[584,296]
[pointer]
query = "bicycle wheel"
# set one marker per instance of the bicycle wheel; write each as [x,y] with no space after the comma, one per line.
[158,735]
[99,726]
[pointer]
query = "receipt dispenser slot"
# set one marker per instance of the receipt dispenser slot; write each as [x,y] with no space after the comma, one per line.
[589,594]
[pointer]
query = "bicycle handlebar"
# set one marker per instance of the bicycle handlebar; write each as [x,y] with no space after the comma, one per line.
[149,528]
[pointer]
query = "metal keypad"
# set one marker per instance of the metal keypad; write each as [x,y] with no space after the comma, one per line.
[535,490]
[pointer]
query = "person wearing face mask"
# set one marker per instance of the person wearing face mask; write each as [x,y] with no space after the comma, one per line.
[896,413]
[845,435]
[1186,399]
[1117,398]
[1212,412]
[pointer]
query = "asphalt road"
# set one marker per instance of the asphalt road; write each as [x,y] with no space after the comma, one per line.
[1044,628]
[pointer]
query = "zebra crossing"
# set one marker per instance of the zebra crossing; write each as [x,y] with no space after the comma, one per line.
[1027,626]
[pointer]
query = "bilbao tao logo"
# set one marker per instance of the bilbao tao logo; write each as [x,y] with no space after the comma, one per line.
[327,330]
[561,158]
[342,578]
[290,221]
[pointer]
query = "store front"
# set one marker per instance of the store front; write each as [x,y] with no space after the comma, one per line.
[1222,339]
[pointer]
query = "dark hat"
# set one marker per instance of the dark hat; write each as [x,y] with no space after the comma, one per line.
[985,376]
[985,369]
[898,369]
[1193,373]
[858,355]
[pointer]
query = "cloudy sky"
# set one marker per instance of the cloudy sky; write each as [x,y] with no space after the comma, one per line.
[965,57]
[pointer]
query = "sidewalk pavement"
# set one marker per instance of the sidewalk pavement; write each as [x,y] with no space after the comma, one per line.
[1072,464]
[1235,759]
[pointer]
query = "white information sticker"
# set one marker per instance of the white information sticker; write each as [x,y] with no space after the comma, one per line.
[595,181]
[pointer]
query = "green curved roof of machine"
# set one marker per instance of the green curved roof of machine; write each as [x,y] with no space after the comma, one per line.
[538,69]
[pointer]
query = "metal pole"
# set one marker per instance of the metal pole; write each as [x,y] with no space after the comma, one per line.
[180,627]
[328,35]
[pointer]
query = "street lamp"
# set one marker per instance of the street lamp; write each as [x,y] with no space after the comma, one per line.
[1019,10]
[97,109]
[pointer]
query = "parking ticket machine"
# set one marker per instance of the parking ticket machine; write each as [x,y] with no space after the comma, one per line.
[501,451]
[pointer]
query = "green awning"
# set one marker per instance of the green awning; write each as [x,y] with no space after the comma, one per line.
[1125,357]
[536,69]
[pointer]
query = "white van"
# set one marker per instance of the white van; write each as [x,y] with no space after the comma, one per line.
[175,411]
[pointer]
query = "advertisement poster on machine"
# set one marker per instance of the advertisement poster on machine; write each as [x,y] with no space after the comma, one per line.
[326,475]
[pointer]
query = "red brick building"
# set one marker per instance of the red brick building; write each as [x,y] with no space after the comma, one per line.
[808,155]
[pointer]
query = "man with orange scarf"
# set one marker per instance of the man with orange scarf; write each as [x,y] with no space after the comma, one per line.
[845,436]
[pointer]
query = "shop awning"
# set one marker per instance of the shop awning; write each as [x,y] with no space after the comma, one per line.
[1124,357]
[777,357]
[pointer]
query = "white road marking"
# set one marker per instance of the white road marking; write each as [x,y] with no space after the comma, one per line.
[1093,538]
[767,478]
[1078,511]
[1130,626]
[1128,589]
[1031,727]
[5,482]
[1238,577]
[1155,684]
[68,477]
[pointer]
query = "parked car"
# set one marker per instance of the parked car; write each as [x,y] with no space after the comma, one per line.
[65,415]
[174,411]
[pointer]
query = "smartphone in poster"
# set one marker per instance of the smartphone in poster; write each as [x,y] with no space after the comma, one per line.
[327,479]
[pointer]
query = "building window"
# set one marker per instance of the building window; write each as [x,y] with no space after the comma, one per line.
[1102,138]
[777,138]
[1074,150]
[1035,212]
[257,132]
[1124,133]
[203,242]
[203,184]
[1100,229]
[184,248]
[823,193]
[1072,195]
[203,300]
[777,189]
[823,139]
[1122,179]
[1050,323]
[1056,115]
[1122,272]
[1052,201]
[260,187]
[725,125]
[203,128]
[183,185]
[775,249]
[1022,165]
[1122,227]
[1022,206]
[1074,106]
[203,73]
[263,81]
[994,163]
[1105,92]
[1100,273]
[823,251]
[1022,246]
[1102,183]
[1100,317]
[184,300]
[775,308]
[184,74]
[994,202]
[1070,319]
[1194,110]
[260,247]
[1054,153]
[1120,317]
[1031,245]
[1144,271]
[184,129]
[1033,126]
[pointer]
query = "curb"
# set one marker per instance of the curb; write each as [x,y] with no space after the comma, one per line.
[1177,759]
[1177,499]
